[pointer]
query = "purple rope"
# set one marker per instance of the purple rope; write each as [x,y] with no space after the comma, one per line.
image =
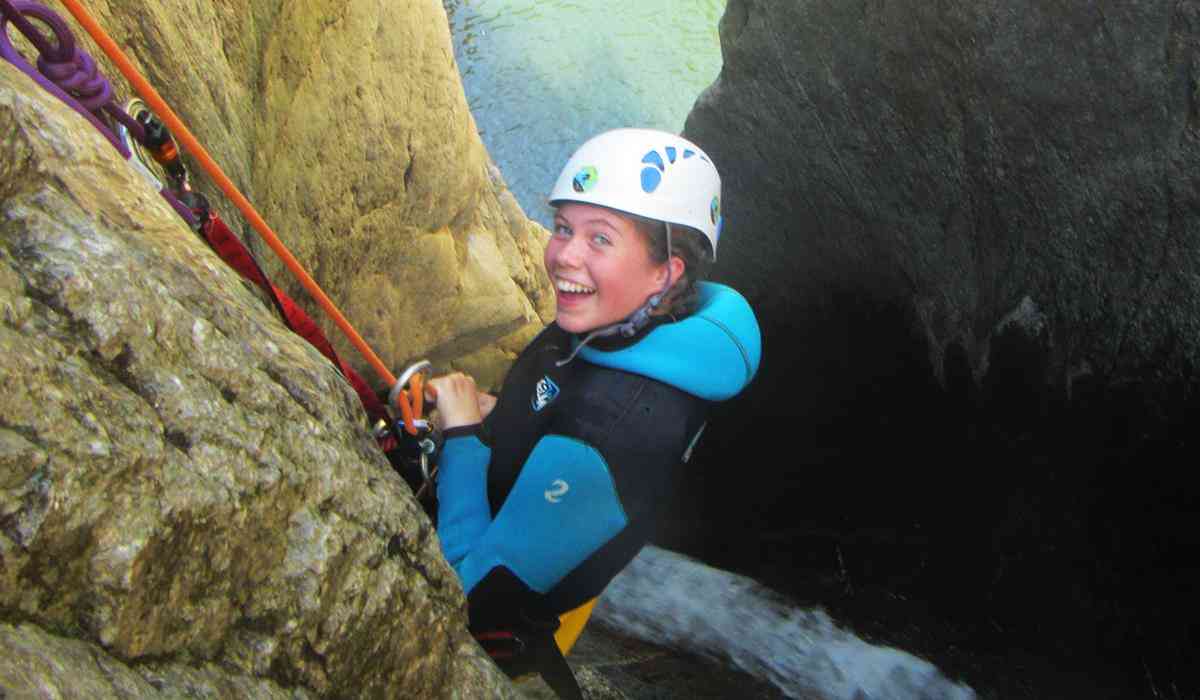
[64,70]
[70,74]
[78,76]
[31,32]
[135,127]
[180,207]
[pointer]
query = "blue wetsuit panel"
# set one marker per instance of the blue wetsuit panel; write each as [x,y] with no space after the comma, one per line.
[562,508]
[463,512]
[713,354]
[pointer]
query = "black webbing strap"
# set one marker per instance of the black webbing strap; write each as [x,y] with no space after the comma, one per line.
[532,651]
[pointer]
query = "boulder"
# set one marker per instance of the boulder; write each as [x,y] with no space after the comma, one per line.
[969,231]
[899,177]
[182,480]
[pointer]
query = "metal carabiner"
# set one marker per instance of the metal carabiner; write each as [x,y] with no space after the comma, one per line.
[381,429]
[422,366]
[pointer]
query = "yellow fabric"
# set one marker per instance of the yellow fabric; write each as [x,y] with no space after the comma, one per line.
[571,626]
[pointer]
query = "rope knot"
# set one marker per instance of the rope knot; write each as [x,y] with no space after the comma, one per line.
[78,77]
[63,69]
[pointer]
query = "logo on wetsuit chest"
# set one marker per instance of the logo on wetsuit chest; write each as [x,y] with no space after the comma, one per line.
[545,392]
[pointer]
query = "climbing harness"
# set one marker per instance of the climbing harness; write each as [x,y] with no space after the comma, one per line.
[144,132]
[530,651]
[539,647]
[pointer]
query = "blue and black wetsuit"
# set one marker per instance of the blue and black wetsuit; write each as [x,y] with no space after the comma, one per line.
[546,501]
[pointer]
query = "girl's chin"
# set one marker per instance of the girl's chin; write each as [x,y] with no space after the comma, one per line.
[573,324]
[576,321]
[582,314]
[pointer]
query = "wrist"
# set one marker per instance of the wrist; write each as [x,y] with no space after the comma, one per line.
[452,420]
[461,431]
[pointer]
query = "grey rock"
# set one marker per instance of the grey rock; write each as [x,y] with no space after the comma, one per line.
[36,663]
[183,480]
[900,175]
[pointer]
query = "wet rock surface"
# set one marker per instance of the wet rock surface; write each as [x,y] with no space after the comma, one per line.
[610,665]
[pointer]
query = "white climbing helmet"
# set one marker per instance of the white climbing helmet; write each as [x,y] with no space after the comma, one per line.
[653,174]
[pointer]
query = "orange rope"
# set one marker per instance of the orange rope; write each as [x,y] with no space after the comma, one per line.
[418,396]
[406,412]
[181,132]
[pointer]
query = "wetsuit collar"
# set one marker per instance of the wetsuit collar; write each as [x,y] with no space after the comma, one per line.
[712,353]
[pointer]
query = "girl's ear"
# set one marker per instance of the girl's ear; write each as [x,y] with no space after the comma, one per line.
[678,267]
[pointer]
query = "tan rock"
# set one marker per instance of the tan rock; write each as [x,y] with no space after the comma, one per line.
[346,125]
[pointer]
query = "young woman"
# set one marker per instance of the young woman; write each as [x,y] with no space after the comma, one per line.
[545,501]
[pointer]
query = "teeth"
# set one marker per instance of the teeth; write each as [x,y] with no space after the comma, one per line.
[572,288]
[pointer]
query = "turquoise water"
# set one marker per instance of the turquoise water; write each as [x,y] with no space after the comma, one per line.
[541,76]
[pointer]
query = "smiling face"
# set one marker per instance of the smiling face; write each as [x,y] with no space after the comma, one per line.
[600,266]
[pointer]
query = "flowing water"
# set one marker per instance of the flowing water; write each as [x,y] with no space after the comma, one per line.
[672,600]
[542,76]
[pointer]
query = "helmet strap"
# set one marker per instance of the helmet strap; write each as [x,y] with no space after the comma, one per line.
[636,321]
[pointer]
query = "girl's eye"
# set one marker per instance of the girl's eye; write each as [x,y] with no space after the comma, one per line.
[601,239]
[561,230]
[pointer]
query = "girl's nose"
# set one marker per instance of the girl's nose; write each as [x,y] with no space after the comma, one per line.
[571,252]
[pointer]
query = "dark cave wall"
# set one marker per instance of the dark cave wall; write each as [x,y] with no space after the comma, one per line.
[970,232]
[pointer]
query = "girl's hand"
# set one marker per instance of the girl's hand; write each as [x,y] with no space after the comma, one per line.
[486,403]
[458,401]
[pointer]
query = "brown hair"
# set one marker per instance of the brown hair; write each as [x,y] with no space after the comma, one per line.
[690,246]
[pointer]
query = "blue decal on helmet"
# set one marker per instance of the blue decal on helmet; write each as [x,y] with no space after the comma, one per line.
[585,179]
[670,154]
[688,153]
[650,179]
[714,209]
[654,159]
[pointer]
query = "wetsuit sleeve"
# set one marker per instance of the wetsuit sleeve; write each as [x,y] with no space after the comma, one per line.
[463,511]
[562,508]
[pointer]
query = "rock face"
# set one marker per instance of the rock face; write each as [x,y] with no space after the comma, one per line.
[346,125]
[969,229]
[946,162]
[184,483]
[36,663]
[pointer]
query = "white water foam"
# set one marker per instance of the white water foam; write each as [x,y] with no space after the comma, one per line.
[666,598]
